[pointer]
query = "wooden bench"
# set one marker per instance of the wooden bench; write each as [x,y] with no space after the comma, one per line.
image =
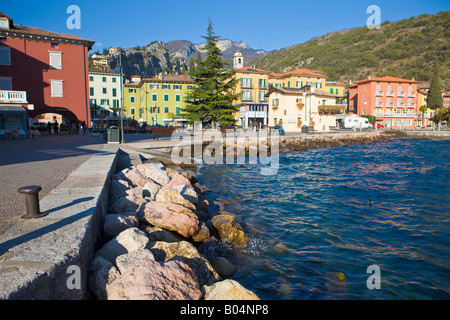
[162,131]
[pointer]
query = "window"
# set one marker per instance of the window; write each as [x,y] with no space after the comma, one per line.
[154,97]
[56,88]
[91,78]
[177,97]
[103,79]
[154,86]
[364,89]
[364,101]
[114,92]
[408,122]
[132,111]
[166,97]
[246,82]
[91,91]
[131,90]
[104,91]
[331,90]
[166,109]
[55,60]
[54,46]
[5,83]
[165,86]
[177,86]
[262,83]
[114,79]
[246,95]
[262,96]
[337,91]
[177,111]
[131,99]
[4,24]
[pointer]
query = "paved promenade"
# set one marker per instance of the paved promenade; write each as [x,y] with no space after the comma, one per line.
[45,161]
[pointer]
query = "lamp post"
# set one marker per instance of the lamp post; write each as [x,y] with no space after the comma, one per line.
[121,98]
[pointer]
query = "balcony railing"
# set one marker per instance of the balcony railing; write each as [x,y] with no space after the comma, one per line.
[401,94]
[13,96]
[379,93]
[396,115]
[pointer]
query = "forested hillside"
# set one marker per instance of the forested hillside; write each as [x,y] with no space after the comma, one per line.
[405,49]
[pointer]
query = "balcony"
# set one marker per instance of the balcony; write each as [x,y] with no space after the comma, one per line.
[401,94]
[390,94]
[389,105]
[411,95]
[379,93]
[9,96]
[395,115]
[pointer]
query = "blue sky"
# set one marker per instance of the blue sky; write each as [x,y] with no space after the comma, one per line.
[269,25]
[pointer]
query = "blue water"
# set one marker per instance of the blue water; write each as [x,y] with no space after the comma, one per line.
[312,220]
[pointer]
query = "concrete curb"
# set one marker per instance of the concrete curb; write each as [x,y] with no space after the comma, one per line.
[35,255]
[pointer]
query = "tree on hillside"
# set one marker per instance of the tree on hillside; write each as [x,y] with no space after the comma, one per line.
[211,99]
[435,101]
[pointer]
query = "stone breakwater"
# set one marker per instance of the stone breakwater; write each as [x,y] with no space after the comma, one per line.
[155,236]
[324,141]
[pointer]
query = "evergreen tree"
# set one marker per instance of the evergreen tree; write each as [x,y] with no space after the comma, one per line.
[434,97]
[211,99]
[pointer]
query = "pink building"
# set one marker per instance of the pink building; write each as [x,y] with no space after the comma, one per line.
[393,101]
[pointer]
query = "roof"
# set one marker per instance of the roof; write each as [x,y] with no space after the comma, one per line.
[101,70]
[386,79]
[335,83]
[42,34]
[252,70]
[11,108]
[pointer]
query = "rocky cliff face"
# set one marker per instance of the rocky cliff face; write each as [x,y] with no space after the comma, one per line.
[159,57]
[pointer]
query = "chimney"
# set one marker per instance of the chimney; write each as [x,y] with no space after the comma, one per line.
[370,77]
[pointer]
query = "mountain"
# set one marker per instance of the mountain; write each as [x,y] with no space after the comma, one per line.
[185,50]
[174,56]
[405,49]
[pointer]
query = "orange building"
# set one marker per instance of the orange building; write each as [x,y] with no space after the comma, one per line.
[393,101]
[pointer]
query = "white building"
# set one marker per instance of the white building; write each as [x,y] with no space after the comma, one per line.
[306,106]
[104,93]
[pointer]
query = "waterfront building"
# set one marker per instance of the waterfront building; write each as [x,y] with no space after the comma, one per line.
[336,87]
[253,84]
[393,101]
[42,72]
[158,100]
[294,108]
[104,93]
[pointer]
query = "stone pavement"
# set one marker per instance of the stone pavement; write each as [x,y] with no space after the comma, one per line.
[45,161]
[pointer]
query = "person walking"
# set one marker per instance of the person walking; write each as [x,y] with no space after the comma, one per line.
[49,126]
[55,127]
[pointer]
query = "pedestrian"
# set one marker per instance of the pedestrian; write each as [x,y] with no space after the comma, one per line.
[83,125]
[370,203]
[49,126]
[55,127]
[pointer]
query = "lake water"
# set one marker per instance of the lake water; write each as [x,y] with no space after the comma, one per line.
[312,220]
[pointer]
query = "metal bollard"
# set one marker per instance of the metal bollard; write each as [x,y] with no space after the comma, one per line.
[32,201]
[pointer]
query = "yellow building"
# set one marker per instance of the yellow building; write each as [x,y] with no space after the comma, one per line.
[132,100]
[335,87]
[253,84]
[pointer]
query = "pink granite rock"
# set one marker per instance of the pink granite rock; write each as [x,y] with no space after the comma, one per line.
[170,216]
[152,280]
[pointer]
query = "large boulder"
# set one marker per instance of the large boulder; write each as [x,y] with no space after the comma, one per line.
[186,252]
[101,273]
[170,216]
[118,189]
[229,230]
[131,239]
[128,261]
[159,234]
[116,223]
[130,201]
[152,280]
[228,290]
[171,195]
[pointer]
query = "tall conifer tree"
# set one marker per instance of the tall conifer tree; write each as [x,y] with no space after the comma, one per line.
[211,99]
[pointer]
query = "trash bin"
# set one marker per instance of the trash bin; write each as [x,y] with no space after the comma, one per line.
[113,135]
